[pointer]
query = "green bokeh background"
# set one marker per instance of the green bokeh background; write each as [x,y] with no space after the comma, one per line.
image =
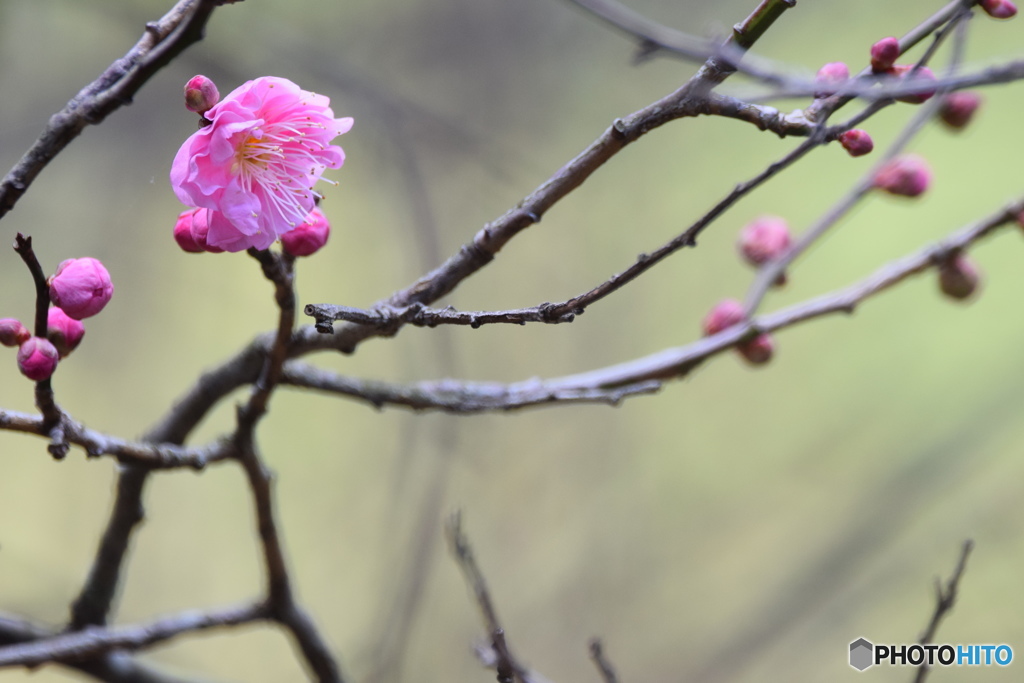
[741,525]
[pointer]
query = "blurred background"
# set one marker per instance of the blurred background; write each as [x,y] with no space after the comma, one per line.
[741,525]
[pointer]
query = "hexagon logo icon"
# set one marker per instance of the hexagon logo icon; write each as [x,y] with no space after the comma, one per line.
[861,651]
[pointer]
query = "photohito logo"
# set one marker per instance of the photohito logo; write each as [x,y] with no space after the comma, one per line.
[864,654]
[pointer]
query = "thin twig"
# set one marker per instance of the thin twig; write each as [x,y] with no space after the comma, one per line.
[614,383]
[87,643]
[605,667]
[161,42]
[945,599]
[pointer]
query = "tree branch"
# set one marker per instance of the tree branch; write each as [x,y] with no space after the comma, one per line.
[90,642]
[944,601]
[162,40]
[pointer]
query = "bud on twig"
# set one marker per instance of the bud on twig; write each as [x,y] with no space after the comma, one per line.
[958,109]
[857,142]
[999,9]
[958,277]
[884,54]
[200,94]
[830,76]
[906,176]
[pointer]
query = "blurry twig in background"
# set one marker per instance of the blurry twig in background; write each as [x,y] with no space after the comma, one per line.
[601,662]
[945,598]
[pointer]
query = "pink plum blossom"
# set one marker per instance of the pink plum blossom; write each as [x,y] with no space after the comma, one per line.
[37,359]
[63,332]
[308,237]
[12,332]
[254,167]
[81,286]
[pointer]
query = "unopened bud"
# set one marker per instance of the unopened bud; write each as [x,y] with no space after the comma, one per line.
[763,239]
[37,359]
[63,332]
[907,176]
[200,94]
[12,332]
[758,350]
[307,238]
[191,230]
[999,9]
[958,277]
[922,76]
[831,75]
[724,315]
[884,54]
[958,108]
[81,287]
[857,142]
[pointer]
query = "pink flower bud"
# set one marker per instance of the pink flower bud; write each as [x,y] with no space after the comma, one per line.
[758,350]
[958,109]
[857,142]
[763,239]
[907,176]
[12,332]
[81,287]
[200,94]
[958,277]
[999,9]
[63,332]
[37,359]
[724,315]
[921,77]
[884,54]
[307,238]
[191,230]
[830,76]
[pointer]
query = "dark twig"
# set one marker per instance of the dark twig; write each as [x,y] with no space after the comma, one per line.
[92,641]
[506,665]
[161,42]
[601,662]
[642,375]
[945,599]
[280,601]
[96,444]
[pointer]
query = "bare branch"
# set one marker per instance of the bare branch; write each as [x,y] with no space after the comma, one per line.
[601,662]
[161,42]
[945,599]
[88,643]
[643,375]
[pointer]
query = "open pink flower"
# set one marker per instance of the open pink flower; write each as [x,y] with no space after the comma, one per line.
[254,167]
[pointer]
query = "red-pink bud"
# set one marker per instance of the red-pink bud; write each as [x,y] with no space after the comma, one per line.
[907,175]
[958,277]
[763,239]
[758,350]
[200,94]
[37,359]
[857,142]
[63,332]
[81,287]
[884,54]
[831,75]
[12,332]
[920,77]
[999,9]
[958,109]
[724,315]
[307,238]
[191,229]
